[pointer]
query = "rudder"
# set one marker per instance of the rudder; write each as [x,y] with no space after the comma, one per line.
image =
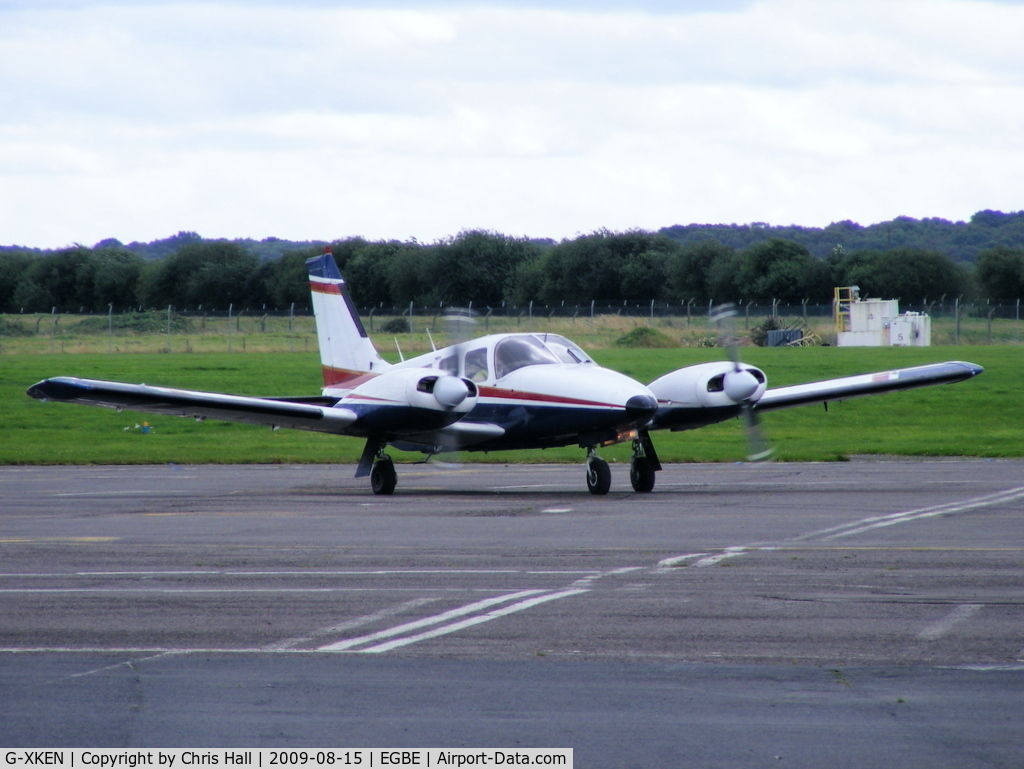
[346,352]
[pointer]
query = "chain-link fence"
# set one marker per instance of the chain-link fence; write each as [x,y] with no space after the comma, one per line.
[416,328]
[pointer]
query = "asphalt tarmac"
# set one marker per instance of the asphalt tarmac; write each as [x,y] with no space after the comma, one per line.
[836,614]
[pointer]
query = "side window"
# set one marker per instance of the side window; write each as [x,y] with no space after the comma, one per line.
[449,364]
[476,364]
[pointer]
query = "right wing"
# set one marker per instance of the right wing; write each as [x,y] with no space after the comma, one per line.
[866,384]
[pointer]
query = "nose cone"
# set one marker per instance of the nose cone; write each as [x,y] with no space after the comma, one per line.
[641,407]
[740,385]
[450,391]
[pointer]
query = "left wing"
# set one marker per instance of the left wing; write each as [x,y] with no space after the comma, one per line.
[316,414]
[866,384]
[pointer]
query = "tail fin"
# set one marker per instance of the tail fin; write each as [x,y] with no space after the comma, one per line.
[346,351]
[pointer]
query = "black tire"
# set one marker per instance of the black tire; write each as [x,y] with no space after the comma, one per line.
[599,476]
[383,477]
[641,475]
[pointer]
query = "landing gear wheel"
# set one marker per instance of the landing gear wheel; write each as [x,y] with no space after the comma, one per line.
[599,476]
[383,477]
[641,474]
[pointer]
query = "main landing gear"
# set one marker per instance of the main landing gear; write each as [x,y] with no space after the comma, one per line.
[378,465]
[383,477]
[642,468]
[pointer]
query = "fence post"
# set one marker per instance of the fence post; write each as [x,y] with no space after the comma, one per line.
[110,328]
[956,331]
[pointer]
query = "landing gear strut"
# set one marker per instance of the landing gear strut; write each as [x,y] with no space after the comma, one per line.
[599,476]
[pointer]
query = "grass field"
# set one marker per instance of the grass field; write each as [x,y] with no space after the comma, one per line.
[983,417]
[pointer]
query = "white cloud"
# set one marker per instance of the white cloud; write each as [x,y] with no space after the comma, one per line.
[319,120]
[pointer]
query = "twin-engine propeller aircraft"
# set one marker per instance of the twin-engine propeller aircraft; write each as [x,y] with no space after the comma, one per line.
[502,391]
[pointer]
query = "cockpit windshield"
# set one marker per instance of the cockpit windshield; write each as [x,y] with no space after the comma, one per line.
[566,350]
[515,352]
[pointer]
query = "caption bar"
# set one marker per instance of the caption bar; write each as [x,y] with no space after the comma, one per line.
[222,758]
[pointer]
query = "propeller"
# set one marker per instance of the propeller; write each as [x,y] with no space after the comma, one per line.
[740,385]
[450,390]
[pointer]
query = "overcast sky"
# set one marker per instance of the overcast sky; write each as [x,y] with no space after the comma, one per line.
[318,120]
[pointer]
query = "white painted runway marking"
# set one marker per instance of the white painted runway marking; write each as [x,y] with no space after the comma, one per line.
[455,627]
[711,560]
[881,521]
[436,619]
[704,559]
[941,628]
[341,627]
[676,560]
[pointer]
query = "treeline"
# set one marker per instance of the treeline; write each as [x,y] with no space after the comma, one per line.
[961,241]
[489,269]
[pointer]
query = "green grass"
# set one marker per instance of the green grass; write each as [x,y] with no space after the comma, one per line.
[983,417]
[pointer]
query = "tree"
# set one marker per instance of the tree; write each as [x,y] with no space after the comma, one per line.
[909,274]
[783,270]
[211,274]
[476,266]
[115,278]
[1000,273]
[689,270]
[13,265]
[643,276]
[591,266]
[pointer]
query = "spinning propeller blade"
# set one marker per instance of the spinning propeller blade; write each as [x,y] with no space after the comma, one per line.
[740,385]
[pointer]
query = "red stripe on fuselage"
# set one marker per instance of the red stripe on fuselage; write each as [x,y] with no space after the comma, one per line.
[519,395]
[336,377]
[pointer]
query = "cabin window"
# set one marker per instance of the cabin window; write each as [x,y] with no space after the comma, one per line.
[476,364]
[515,352]
[449,364]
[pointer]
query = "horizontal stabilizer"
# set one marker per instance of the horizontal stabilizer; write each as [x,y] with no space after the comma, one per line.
[317,416]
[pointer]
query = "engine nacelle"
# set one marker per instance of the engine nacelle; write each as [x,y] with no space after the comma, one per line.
[418,388]
[710,385]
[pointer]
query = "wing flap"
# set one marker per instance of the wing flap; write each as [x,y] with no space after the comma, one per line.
[866,384]
[199,405]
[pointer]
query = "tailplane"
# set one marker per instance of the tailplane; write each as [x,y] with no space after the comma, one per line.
[346,351]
